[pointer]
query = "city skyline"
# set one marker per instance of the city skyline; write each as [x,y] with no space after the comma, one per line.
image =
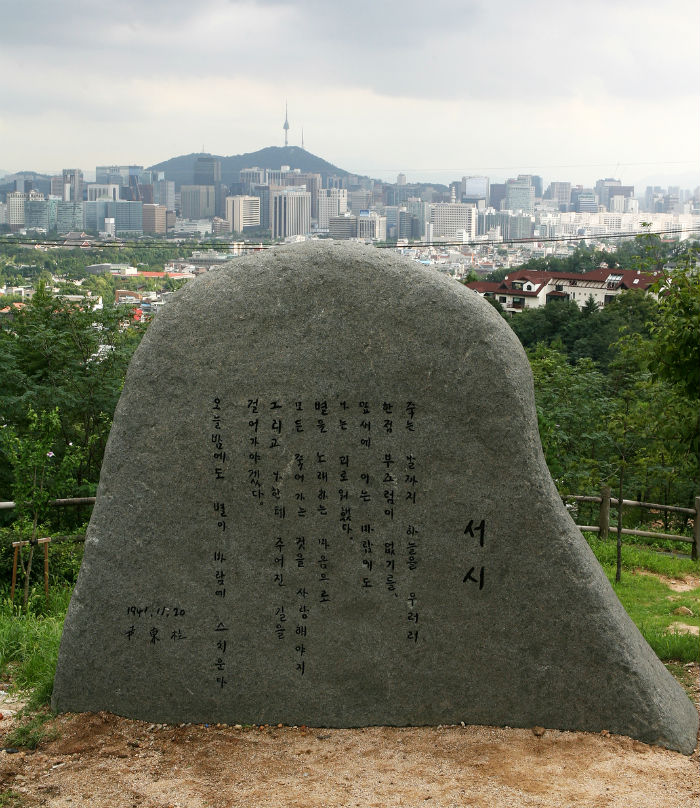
[455,89]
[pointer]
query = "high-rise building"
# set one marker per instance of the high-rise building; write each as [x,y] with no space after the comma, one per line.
[520,194]
[497,195]
[331,202]
[69,216]
[311,181]
[102,191]
[510,226]
[371,226]
[72,185]
[474,189]
[154,218]
[290,212]
[164,193]
[198,201]
[535,180]
[420,215]
[253,176]
[391,213]
[207,170]
[560,192]
[358,200]
[343,227]
[117,175]
[94,214]
[604,189]
[128,216]
[15,209]
[584,200]
[41,214]
[451,220]
[57,186]
[242,212]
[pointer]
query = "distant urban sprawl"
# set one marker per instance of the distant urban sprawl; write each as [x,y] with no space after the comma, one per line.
[469,229]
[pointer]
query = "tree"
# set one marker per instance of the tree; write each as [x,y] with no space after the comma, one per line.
[55,354]
[39,474]
[573,405]
[676,346]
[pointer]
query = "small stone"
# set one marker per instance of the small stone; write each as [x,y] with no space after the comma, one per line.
[605,733]
[238,726]
[538,732]
[683,610]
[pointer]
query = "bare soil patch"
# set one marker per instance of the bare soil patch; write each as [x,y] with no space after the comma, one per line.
[685,584]
[104,761]
[684,628]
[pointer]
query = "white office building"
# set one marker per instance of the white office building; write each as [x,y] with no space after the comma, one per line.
[242,212]
[453,219]
[290,212]
[331,202]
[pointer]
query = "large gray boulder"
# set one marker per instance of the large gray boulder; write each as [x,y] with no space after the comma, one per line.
[324,502]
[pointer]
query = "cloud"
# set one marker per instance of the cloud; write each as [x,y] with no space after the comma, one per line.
[374,85]
[446,49]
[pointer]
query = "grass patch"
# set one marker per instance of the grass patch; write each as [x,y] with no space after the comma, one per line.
[32,729]
[636,556]
[29,645]
[649,601]
[10,799]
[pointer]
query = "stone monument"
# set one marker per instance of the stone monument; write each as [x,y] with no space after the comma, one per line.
[324,502]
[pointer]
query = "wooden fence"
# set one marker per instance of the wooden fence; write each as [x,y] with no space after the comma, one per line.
[603,527]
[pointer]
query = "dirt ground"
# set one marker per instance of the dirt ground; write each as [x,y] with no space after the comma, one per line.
[104,761]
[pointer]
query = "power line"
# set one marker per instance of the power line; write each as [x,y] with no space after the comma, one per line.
[545,239]
[258,246]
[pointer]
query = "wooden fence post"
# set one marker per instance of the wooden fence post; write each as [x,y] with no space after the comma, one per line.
[46,570]
[696,531]
[604,519]
[14,574]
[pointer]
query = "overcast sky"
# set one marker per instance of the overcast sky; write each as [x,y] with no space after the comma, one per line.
[575,89]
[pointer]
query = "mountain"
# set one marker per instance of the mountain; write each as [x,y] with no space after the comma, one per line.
[40,182]
[180,169]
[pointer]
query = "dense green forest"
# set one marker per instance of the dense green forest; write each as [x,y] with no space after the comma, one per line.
[616,388]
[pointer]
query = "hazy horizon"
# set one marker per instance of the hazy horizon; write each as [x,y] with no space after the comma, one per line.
[687,180]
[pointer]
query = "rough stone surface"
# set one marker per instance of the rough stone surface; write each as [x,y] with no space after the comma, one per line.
[296,580]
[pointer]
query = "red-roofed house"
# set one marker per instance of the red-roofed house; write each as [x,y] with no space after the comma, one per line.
[530,288]
[8,311]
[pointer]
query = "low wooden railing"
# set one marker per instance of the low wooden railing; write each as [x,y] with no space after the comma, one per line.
[603,527]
